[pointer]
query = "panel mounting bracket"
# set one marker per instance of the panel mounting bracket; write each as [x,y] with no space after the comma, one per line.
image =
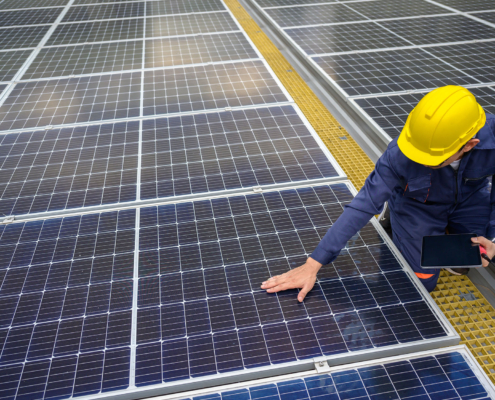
[322,366]
[8,220]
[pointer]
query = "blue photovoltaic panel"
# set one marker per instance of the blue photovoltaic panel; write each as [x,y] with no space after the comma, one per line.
[209,87]
[59,169]
[200,307]
[29,17]
[390,112]
[444,376]
[210,152]
[65,305]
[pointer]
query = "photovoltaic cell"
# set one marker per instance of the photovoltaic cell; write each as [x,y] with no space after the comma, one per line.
[86,59]
[10,62]
[23,37]
[198,49]
[390,112]
[60,169]
[209,87]
[277,3]
[16,4]
[471,5]
[29,17]
[312,15]
[474,59]
[189,24]
[346,37]
[66,299]
[228,150]
[182,7]
[456,28]
[391,71]
[489,16]
[112,10]
[381,9]
[97,31]
[443,376]
[202,311]
[112,97]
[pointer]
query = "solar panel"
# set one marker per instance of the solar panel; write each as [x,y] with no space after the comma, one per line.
[198,49]
[390,112]
[474,59]
[29,17]
[112,96]
[67,168]
[112,10]
[183,7]
[346,37]
[18,4]
[471,5]
[487,16]
[393,71]
[86,59]
[66,305]
[85,32]
[278,3]
[10,62]
[23,37]
[203,312]
[189,24]
[381,9]
[455,28]
[449,374]
[209,87]
[312,15]
[228,150]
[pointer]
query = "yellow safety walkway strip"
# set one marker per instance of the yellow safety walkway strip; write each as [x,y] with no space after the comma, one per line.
[474,319]
[353,160]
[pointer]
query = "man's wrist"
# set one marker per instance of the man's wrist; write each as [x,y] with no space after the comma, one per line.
[312,263]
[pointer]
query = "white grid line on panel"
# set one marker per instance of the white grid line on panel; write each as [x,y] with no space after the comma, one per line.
[135,288]
[462,13]
[315,4]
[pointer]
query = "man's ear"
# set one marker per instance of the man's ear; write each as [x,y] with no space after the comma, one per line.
[470,144]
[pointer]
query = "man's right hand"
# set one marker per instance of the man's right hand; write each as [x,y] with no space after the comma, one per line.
[303,277]
[488,246]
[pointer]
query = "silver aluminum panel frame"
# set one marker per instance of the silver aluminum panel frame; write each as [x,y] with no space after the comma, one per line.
[452,338]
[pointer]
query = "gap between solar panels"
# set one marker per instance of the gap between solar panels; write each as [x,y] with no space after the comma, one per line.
[198,317]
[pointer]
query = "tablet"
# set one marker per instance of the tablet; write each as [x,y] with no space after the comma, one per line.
[450,251]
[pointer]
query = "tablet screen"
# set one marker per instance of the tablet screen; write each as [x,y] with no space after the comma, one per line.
[450,251]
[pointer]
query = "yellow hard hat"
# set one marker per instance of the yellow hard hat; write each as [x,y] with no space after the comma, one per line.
[442,122]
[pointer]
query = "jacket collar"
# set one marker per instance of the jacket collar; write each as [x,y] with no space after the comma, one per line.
[486,135]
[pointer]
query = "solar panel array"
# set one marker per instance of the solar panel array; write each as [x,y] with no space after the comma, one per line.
[446,375]
[382,55]
[108,107]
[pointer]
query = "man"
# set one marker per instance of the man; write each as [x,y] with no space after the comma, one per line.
[434,177]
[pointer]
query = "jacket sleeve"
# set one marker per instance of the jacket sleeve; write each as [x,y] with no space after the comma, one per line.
[491,224]
[377,189]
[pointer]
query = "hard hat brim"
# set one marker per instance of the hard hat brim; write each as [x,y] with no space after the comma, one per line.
[425,158]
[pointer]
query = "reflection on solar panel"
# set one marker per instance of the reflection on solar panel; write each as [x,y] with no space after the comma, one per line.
[66,299]
[86,59]
[29,17]
[189,24]
[209,87]
[456,28]
[391,71]
[10,62]
[23,37]
[228,150]
[312,15]
[381,9]
[445,375]
[202,312]
[347,37]
[197,49]
[113,10]
[85,32]
[183,6]
[68,168]
[18,4]
[471,5]
[113,96]
[390,112]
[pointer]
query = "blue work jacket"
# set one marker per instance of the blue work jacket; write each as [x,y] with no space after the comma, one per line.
[397,175]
